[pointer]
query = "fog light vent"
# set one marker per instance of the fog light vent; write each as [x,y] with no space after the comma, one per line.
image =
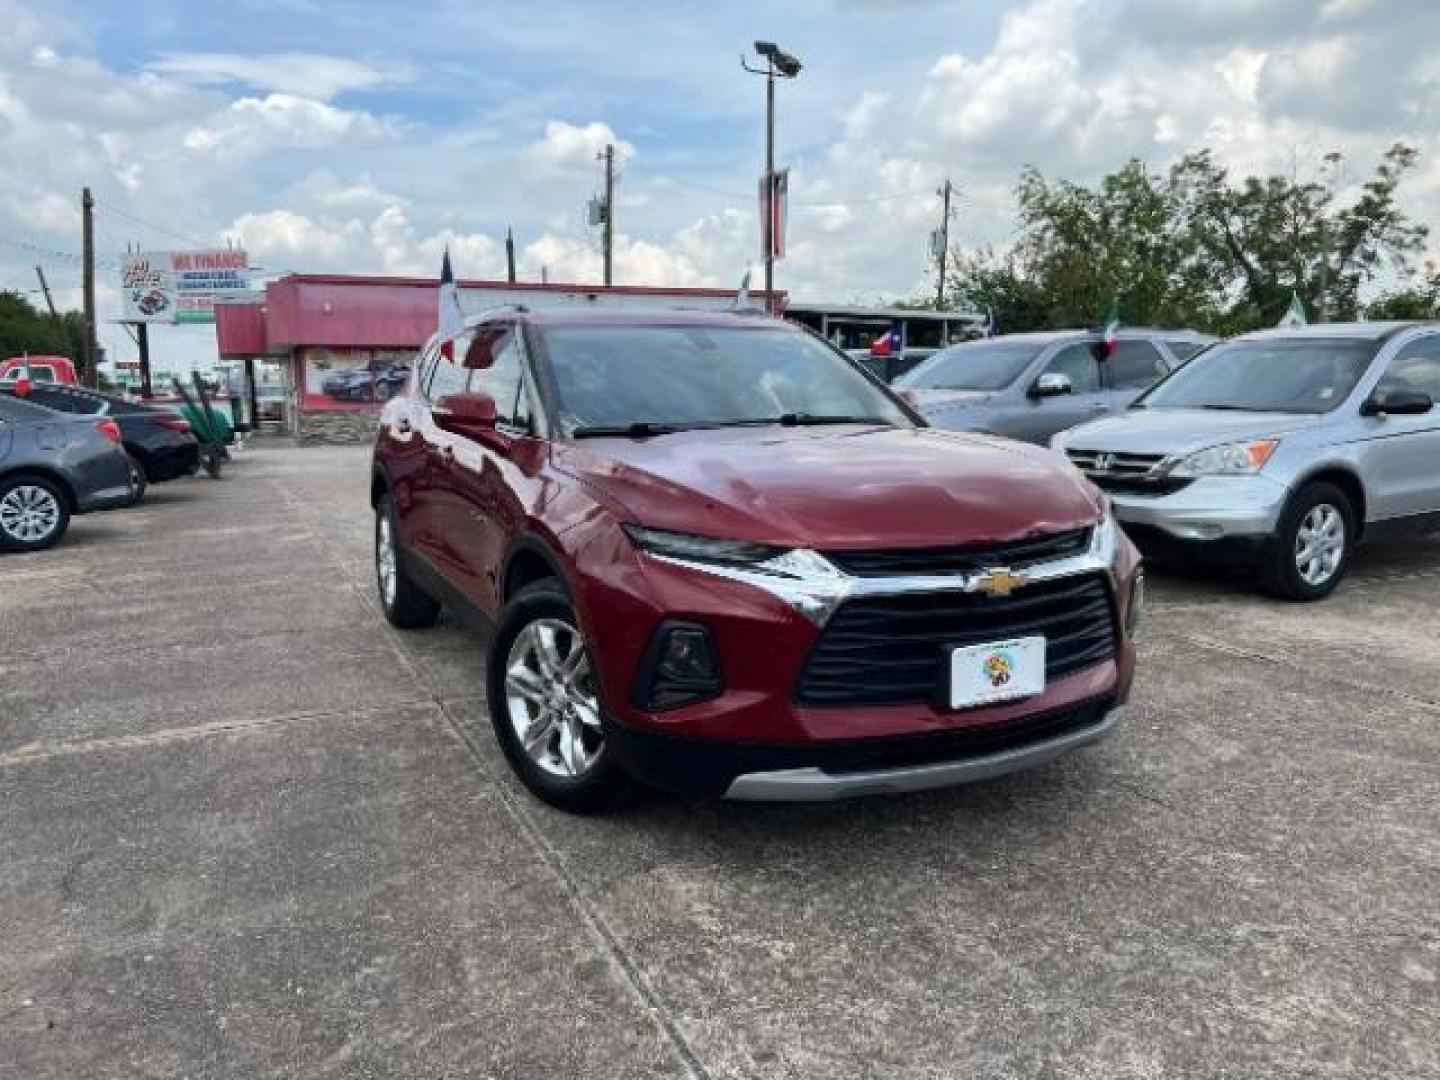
[680,667]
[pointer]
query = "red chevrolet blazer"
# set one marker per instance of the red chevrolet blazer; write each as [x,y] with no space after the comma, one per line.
[721,558]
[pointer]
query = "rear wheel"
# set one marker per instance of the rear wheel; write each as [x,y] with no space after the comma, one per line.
[1313,544]
[138,482]
[405,604]
[545,705]
[34,514]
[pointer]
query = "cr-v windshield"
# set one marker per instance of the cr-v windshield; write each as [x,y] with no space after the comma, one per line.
[1294,376]
[657,378]
[978,366]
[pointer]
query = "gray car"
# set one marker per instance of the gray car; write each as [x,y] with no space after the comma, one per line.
[1029,386]
[53,465]
[1284,448]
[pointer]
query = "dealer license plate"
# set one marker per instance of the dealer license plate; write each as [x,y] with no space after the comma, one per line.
[999,671]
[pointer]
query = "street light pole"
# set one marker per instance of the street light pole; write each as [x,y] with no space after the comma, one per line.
[769,203]
[778,64]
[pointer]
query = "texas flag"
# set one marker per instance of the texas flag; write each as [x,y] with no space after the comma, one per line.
[451,315]
[889,343]
[23,382]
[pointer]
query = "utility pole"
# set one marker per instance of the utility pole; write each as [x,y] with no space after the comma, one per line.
[944,244]
[509,255]
[777,62]
[45,288]
[609,241]
[87,255]
[142,342]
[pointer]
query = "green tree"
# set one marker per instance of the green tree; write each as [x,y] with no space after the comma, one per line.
[24,329]
[1271,236]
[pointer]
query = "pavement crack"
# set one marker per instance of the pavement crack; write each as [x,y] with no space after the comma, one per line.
[44,751]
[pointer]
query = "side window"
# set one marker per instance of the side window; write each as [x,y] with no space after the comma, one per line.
[500,378]
[1134,365]
[1078,362]
[1416,368]
[448,376]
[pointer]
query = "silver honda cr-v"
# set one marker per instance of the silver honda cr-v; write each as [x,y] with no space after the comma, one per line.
[1284,447]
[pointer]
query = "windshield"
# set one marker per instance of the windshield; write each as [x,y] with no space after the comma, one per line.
[980,366]
[615,377]
[1295,376]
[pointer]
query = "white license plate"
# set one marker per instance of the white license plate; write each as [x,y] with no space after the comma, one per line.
[999,671]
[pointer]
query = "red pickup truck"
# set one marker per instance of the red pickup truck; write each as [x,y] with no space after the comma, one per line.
[49,369]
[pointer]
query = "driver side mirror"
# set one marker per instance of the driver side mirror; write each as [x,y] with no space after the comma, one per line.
[1052,384]
[466,414]
[1397,402]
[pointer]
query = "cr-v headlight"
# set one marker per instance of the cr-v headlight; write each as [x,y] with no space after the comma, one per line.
[804,579]
[1232,459]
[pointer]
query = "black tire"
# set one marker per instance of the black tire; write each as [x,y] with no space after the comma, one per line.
[17,497]
[1280,571]
[138,481]
[601,785]
[404,603]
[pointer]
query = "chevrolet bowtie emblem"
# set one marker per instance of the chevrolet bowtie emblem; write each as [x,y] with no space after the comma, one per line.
[1000,583]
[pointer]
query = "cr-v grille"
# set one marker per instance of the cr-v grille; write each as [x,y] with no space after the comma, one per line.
[892,650]
[961,560]
[1126,474]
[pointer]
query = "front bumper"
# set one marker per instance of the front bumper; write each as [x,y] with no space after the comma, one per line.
[830,771]
[1211,508]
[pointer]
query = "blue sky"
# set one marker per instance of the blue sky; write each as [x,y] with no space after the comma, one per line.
[365,136]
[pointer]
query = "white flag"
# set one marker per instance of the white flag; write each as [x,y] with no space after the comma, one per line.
[1295,313]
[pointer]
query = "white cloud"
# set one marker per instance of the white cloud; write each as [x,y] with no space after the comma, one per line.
[311,75]
[253,125]
[570,148]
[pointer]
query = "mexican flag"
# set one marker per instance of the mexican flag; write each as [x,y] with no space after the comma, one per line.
[1111,328]
[1295,313]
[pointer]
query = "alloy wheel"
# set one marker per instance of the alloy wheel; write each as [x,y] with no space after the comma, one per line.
[550,693]
[385,566]
[29,513]
[1320,544]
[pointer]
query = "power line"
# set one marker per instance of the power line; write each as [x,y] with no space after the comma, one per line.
[815,205]
[192,241]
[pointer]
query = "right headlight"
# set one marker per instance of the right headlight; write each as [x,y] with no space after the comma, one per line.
[1231,459]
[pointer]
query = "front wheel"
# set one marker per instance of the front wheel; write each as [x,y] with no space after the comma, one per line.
[34,514]
[1313,544]
[545,706]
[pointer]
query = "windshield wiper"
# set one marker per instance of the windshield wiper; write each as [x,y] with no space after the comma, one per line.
[804,419]
[1230,408]
[640,429]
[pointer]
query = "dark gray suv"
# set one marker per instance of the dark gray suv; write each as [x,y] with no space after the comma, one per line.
[1030,386]
[52,465]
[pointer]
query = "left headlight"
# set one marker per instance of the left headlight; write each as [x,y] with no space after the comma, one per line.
[706,549]
[804,579]
[1232,459]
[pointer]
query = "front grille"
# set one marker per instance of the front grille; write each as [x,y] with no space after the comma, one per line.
[894,650]
[961,560]
[1126,474]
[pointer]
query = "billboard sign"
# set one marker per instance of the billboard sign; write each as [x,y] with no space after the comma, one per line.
[181,286]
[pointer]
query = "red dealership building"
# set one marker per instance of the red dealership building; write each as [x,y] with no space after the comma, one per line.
[335,347]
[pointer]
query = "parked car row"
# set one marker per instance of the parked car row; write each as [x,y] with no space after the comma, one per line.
[1281,450]
[66,450]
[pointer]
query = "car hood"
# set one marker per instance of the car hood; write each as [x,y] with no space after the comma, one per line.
[1180,431]
[836,487]
[928,401]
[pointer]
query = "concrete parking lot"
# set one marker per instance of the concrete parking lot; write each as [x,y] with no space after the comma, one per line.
[246,830]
